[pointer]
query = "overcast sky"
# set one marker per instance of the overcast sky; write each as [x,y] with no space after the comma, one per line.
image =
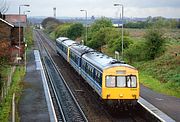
[98,8]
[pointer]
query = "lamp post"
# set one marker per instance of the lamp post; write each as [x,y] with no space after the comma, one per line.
[24,37]
[121,5]
[86,22]
[20,28]
[26,15]
[26,12]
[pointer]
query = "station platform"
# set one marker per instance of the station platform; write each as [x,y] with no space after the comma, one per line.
[33,105]
[167,104]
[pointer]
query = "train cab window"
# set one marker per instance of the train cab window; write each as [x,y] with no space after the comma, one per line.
[110,81]
[131,81]
[121,81]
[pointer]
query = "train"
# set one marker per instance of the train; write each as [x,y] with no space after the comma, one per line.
[115,82]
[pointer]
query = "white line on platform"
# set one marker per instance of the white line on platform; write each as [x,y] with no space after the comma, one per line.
[155,111]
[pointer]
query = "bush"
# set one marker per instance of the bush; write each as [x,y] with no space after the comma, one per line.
[75,30]
[116,44]
[100,38]
[100,23]
[136,52]
[62,30]
[45,23]
[69,30]
[154,42]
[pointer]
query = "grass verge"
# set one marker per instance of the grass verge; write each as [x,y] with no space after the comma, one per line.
[16,87]
[168,88]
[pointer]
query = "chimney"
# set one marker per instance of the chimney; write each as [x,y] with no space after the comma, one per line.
[3,16]
[54,9]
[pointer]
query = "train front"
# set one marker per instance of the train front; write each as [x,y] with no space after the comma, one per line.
[120,85]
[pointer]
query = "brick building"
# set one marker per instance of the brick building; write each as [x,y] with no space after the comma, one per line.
[15,19]
[9,31]
[5,30]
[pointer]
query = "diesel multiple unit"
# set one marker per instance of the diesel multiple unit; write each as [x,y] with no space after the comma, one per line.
[114,81]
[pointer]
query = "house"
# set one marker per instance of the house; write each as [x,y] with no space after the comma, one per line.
[10,26]
[5,30]
[5,38]
[17,21]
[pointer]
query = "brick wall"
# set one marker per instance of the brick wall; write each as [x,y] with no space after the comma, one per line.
[5,31]
[15,35]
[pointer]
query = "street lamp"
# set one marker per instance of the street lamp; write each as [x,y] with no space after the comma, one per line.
[26,15]
[86,22]
[121,5]
[26,12]
[24,31]
[20,28]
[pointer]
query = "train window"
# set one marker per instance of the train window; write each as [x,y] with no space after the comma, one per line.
[121,81]
[110,81]
[97,77]
[131,81]
[83,65]
[128,81]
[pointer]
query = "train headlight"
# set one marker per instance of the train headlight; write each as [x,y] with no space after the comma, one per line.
[110,81]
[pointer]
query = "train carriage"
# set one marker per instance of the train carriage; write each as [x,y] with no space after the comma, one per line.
[114,81]
[62,46]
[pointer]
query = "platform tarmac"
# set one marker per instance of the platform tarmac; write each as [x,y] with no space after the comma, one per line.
[167,104]
[33,106]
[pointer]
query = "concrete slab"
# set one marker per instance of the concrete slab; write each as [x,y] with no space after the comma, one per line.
[33,105]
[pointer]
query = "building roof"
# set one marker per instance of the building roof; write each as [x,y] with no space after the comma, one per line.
[15,19]
[7,22]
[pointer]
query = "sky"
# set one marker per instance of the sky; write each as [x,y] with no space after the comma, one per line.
[97,8]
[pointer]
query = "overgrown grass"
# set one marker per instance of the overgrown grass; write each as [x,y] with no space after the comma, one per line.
[52,36]
[169,88]
[5,106]
[29,36]
[163,73]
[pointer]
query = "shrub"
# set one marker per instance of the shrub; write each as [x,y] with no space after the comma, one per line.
[154,42]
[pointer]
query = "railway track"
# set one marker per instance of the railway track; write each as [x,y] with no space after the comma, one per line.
[81,89]
[66,106]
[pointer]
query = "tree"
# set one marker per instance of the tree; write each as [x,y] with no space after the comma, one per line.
[100,23]
[62,30]
[69,30]
[75,30]
[99,30]
[136,51]
[154,42]
[100,38]
[50,22]
[3,6]
[115,44]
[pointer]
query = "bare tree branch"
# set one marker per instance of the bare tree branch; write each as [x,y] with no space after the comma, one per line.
[3,6]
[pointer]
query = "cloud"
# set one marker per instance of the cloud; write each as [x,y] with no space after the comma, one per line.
[133,8]
[159,11]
